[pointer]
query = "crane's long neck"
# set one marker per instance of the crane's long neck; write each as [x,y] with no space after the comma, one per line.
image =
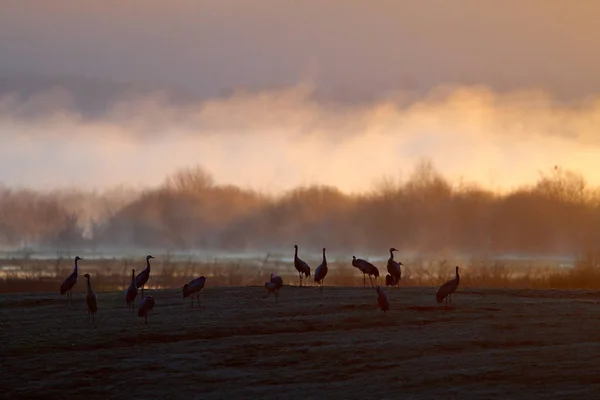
[148,264]
[133,277]
[391,255]
[89,286]
[76,268]
[457,278]
[324,258]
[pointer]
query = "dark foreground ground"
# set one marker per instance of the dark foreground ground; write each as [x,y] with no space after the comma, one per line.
[336,344]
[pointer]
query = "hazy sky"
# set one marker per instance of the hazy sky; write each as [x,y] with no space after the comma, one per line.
[536,104]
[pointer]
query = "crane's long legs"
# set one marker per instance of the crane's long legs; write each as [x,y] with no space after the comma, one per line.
[371,280]
[364,281]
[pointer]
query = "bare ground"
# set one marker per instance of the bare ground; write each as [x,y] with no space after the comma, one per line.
[494,343]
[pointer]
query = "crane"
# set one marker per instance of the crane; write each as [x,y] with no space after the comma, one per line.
[275,283]
[382,300]
[445,291]
[142,278]
[194,286]
[366,268]
[271,287]
[146,305]
[91,299]
[131,293]
[277,280]
[390,280]
[71,280]
[321,271]
[301,266]
[393,267]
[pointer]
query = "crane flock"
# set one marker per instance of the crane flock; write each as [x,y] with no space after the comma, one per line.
[192,288]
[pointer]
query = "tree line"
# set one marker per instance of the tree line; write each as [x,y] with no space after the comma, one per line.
[558,214]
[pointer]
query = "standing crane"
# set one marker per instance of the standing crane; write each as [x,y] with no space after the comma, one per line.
[382,300]
[393,267]
[275,283]
[146,305]
[277,280]
[321,271]
[301,266]
[142,278]
[131,293]
[445,291]
[390,280]
[68,284]
[91,299]
[194,286]
[366,268]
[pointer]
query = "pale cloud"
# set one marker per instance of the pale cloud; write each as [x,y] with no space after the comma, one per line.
[275,140]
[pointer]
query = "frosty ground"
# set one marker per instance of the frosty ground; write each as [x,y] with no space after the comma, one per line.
[493,343]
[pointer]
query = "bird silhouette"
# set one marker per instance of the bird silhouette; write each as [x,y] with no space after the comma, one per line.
[146,305]
[142,278]
[194,287]
[393,267]
[445,291]
[131,293]
[321,271]
[382,300]
[301,266]
[389,280]
[366,268]
[71,280]
[275,283]
[91,299]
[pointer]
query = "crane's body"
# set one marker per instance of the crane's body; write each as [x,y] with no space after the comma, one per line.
[71,280]
[193,288]
[393,267]
[366,268]
[321,271]
[301,266]
[382,300]
[275,283]
[277,280]
[390,280]
[142,278]
[146,305]
[91,299]
[445,291]
[131,293]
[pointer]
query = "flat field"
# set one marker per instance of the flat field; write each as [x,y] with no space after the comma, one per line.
[494,343]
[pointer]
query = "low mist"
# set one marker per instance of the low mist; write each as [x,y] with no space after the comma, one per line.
[461,169]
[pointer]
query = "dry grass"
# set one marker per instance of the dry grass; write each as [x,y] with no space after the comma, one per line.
[29,275]
[496,343]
